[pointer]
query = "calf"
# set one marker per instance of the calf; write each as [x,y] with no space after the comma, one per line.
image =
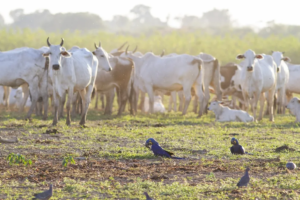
[225,114]
[158,105]
[294,107]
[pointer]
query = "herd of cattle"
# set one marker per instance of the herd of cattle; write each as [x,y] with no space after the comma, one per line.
[53,72]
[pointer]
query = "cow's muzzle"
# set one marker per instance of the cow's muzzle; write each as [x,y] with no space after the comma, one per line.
[55,67]
[249,68]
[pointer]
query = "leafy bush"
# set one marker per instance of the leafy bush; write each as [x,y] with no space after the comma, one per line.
[18,159]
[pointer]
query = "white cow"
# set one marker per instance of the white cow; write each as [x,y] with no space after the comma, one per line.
[291,87]
[18,98]
[23,65]
[283,75]
[211,76]
[294,107]
[259,75]
[158,105]
[225,114]
[167,74]
[73,71]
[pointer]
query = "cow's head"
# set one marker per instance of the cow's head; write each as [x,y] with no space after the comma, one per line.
[214,105]
[279,58]
[54,53]
[250,58]
[293,104]
[102,57]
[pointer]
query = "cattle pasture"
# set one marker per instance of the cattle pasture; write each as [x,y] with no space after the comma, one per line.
[118,166]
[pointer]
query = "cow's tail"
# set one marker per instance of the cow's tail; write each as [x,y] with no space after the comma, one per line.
[216,81]
[199,62]
[94,93]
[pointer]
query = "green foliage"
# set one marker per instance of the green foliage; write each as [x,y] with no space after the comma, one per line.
[67,160]
[225,47]
[17,159]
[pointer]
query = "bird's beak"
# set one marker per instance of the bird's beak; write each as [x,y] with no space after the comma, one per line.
[147,145]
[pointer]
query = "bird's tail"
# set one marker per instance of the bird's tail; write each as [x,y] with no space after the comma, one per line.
[177,158]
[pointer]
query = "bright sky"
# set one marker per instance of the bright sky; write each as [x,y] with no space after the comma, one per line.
[251,12]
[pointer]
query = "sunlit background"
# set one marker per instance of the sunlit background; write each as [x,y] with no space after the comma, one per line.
[254,13]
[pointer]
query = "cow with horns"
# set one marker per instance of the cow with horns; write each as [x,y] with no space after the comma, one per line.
[71,71]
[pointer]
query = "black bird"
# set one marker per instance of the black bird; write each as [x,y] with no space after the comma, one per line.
[44,195]
[236,148]
[147,196]
[245,179]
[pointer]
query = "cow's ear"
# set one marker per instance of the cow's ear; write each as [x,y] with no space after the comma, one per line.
[46,54]
[286,59]
[65,54]
[259,56]
[239,57]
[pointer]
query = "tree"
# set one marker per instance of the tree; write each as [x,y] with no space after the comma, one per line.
[217,18]
[144,17]
[2,22]
[16,14]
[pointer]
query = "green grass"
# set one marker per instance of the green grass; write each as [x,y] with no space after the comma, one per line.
[118,166]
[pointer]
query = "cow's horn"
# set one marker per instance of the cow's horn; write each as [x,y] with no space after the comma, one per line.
[135,49]
[48,42]
[162,53]
[121,47]
[62,42]
[126,51]
[100,44]
[95,46]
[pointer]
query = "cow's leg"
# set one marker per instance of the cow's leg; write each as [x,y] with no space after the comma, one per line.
[102,100]
[271,102]
[195,109]
[123,99]
[142,101]
[110,96]
[188,96]
[181,100]
[280,101]
[25,89]
[6,95]
[70,99]
[289,96]
[45,104]
[74,104]
[61,108]
[284,102]
[262,103]
[150,92]
[136,98]
[56,100]
[253,102]
[97,98]
[34,96]
[83,95]
[170,103]
[201,99]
